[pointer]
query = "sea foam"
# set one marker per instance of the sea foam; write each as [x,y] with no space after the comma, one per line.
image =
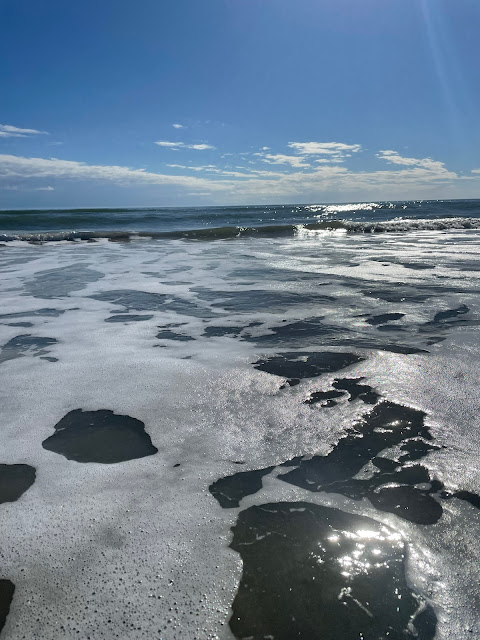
[141,547]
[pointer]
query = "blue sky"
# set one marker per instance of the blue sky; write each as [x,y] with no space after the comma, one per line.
[198,102]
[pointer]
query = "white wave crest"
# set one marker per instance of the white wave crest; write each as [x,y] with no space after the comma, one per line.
[403,225]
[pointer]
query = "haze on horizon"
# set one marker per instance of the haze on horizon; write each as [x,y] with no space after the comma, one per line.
[237,102]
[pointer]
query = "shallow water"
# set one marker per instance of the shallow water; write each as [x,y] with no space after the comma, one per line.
[335,370]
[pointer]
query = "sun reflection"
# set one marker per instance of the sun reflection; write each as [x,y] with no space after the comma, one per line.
[363,549]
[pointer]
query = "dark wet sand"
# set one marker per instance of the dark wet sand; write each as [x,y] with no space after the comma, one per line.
[15,479]
[296,366]
[231,489]
[100,436]
[7,590]
[316,573]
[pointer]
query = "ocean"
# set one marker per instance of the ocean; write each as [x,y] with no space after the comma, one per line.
[241,422]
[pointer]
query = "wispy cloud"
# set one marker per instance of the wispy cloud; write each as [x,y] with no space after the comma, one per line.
[182,145]
[433,166]
[328,160]
[199,147]
[9,131]
[24,187]
[338,149]
[279,158]
[14,169]
[176,125]
[205,167]
[211,168]
[406,177]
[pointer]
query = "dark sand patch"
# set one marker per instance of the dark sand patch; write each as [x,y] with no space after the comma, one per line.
[213,331]
[417,266]
[189,308]
[299,332]
[260,300]
[355,389]
[220,332]
[58,283]
[444,320]
[15,479]
[317,333]
[350,387]
[385,317]
[25,325]
[403,500]
[133,300]
[7,590]
[276,274]
[398,294]
[128,317]
[355,469]
[52,313]
[449,317]
[21,345]
[168,334]
[390,328]
[294,462]
[231,489]
[324,398]
[387,425]
[100,436]
[295,366]
[469,497]
[415,449]
[312,572]
[393,348]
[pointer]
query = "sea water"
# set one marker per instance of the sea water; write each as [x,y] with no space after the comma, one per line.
[256,422]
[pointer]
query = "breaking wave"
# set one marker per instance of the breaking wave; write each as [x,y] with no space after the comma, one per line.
[231,232]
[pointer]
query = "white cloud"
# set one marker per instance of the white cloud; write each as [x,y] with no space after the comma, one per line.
[171,145]
[178,126]
[408,178]
[8,131]
[213,169]
[324,148]
[17,168]
[328,160]
[182,145]
[16,187]
[433,166]
[279,158]
[206,167]
[199,147]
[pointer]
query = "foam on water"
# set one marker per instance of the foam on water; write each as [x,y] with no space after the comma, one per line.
[395,225]
[141,548]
